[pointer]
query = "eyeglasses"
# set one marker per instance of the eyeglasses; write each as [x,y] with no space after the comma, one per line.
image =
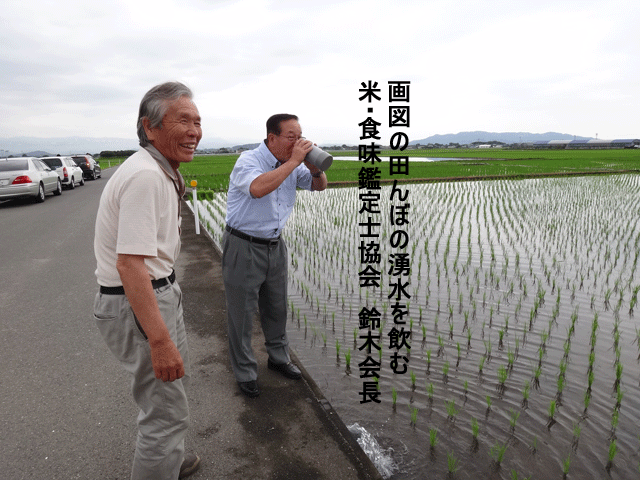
[291,138]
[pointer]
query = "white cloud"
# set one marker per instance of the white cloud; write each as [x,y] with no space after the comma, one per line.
[80,68]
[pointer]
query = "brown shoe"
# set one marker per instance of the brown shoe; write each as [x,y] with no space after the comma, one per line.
[190,465]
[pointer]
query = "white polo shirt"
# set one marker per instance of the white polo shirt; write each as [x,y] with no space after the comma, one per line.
[139,215]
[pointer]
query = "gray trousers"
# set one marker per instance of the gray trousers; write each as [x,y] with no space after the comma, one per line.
[164,413]
[255,279]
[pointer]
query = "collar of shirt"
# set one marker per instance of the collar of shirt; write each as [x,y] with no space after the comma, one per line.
[174,175]
[272,161]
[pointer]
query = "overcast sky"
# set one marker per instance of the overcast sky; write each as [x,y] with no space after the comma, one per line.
[80,68]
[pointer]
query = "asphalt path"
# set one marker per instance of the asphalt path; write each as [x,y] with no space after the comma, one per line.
[66,409]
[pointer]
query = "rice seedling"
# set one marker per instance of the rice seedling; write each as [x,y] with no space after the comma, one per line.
[587,400]
[433,437]
[430,392]
[613,450]
[514,476]
[452,411]
[561,382]
[552,412]
[565,466]
[615,419]
[502,376]
[619,395]
[514,415]
[414,416]
[536,375]
[525,394]
[452,463]
[497,452]
[475,428]
[481,363]
[619,368]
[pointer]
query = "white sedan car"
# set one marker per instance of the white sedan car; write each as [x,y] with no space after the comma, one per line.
[27,177]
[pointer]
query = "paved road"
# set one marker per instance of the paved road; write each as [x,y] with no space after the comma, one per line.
[66,410]
[60,390]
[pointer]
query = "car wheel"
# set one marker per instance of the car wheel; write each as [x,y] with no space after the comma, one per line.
[40,196]
[58,190]
[72,183]
[93,174]
[81,181]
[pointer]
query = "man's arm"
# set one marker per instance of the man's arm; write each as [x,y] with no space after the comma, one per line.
[166,359]
[318,183]
[267,182]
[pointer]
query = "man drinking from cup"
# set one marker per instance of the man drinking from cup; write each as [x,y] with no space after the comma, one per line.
[262,192]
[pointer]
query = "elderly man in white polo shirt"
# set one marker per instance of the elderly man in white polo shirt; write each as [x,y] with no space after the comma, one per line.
[138,309]
[262,192]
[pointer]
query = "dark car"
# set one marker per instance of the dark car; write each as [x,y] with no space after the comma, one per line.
[90,168]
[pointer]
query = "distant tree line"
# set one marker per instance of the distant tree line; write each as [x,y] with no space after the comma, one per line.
[116,153]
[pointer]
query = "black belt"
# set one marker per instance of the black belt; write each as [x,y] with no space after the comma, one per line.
[154,283]
[244,236]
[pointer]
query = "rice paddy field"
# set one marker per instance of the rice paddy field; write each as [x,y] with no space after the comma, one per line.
[524,358]
[212,171]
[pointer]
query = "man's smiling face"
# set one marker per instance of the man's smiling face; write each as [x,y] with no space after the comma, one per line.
[180,132]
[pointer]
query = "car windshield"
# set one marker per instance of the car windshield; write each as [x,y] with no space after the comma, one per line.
[52,162]
[14,165]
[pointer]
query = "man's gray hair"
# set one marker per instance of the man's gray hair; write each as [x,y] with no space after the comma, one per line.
[155,103]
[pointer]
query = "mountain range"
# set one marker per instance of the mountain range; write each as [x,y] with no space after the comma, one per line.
[38,146]
[464,138]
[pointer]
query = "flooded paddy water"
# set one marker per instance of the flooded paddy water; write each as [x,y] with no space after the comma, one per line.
[523,316]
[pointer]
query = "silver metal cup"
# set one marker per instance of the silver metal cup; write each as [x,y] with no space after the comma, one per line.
[319,158]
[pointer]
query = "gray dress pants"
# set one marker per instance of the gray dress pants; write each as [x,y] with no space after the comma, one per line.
[255,279]
[164,412]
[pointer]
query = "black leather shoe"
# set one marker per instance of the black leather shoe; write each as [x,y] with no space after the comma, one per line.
[190,465]
[289,370]
[250,389]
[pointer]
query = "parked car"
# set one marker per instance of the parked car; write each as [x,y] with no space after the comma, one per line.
[90,167]
[68,171]
[27,177]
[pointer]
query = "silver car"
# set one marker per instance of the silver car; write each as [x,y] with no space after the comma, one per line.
[27,177]
[67,170]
